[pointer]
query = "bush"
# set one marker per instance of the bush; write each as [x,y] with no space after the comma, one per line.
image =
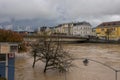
[10,36]
[1,78]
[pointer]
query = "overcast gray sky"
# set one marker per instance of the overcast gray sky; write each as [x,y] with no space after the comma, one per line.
[53,12]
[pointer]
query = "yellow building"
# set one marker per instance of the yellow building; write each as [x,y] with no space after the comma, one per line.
[108,30]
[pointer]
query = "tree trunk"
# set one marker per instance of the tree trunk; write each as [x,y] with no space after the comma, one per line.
[108,37]
[34,62]
[45,67]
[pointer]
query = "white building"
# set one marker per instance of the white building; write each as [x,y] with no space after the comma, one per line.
[65,29]
[76,29]
[82,29]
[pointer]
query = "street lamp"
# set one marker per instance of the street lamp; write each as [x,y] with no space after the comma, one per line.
[86,61]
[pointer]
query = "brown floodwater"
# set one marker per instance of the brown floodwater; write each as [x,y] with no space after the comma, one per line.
[108,54]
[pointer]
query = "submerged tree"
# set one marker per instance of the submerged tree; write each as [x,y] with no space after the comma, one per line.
[51,53]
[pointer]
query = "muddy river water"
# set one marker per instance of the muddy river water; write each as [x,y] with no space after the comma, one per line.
[108,54]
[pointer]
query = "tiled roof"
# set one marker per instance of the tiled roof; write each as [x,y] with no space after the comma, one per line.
[108,24]
[82,23]
[74,24]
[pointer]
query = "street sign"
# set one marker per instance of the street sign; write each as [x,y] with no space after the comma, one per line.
[11,55]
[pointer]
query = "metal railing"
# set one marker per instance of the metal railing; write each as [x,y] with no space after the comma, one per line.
[86,61]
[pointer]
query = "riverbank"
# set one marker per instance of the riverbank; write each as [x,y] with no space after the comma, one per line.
[103,41]
[93,41]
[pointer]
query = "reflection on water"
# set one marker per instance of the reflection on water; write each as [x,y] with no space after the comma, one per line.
[105,53]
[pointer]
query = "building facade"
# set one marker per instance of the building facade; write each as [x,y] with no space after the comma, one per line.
[64,29]
[109,30]
[44,29]
[75,29]
[83,29]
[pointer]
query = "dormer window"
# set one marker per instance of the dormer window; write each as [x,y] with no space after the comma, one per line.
[103,24]
[108,24]
[114,24]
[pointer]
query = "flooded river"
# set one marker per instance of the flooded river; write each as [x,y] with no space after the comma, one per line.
[108,54]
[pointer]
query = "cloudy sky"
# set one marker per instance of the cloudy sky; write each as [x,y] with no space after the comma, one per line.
[52,12]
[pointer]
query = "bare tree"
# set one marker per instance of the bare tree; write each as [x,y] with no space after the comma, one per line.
[51,52]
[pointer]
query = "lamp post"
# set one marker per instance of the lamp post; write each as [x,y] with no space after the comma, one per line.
[86,61]
[6,67]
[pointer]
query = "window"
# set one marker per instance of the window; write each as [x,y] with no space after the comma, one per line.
[2,57]
[13,48]
[113,29]
[102,29]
